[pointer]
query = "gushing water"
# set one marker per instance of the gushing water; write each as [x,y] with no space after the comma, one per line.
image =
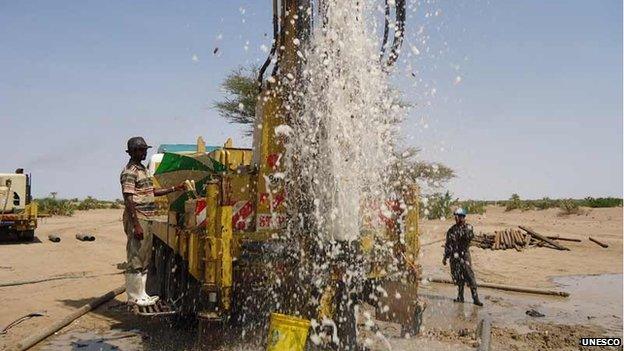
[342,143]
[340,154]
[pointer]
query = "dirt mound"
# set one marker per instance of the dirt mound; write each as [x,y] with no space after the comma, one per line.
[546,337]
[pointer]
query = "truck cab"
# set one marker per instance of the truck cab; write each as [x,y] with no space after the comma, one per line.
[18,213]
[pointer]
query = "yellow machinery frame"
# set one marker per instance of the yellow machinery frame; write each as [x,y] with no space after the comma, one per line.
[209,252]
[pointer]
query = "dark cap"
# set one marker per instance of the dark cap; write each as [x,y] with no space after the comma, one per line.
[135,143]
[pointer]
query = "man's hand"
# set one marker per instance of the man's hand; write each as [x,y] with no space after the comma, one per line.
[444,261]
[166,191]
[138,232]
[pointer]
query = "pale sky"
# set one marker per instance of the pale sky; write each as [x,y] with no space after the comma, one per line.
[517,96]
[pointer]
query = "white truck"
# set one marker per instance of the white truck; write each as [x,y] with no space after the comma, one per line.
[18,213]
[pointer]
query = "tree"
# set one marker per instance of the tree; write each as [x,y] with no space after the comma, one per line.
[432,174]
[239,107]
[241,94]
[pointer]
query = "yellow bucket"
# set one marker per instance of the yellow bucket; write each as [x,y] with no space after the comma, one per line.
[287,333]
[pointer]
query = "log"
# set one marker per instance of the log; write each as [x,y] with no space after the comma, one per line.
[543,238]
[508,242]
[35,339]
[527,239]
[517,237]
[599,243]
[564,239]
[521,289]
[520,237]
[54,238]
[517,242]
[496,241]
[484,333]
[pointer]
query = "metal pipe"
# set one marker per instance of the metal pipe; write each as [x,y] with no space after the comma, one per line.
[521,289]
[35,339]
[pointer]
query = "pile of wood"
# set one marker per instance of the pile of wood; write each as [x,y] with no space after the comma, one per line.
[517,239]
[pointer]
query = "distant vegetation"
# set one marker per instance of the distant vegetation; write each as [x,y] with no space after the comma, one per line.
[441,205]
[66,207]
[568,206]
[56,207]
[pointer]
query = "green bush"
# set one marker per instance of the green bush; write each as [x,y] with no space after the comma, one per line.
[569,207]
[545,203]
[63,207]
[437,206]
[515,203]
[56,207]
[602,202]
[92,204]
[473,207]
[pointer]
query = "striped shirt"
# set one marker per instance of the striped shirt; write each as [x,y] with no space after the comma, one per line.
[136,182]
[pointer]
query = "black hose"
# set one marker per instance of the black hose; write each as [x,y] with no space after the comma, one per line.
[384,42]
[282,34]
[266,63]
[399,32]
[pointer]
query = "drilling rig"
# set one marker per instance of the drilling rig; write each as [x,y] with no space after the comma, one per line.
[225,255]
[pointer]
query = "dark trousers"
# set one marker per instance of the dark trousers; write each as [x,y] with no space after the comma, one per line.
[462,273]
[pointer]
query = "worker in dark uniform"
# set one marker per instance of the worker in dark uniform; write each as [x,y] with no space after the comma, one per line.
[456,249]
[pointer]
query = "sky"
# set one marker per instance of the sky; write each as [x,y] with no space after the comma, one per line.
[516,96]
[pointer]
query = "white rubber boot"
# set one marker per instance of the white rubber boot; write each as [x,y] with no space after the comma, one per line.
[144,295]
[133,290]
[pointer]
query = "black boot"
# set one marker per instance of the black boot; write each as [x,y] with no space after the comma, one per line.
[460,293]
[475,296]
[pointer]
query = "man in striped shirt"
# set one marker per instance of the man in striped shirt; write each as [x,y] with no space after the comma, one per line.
[138,193]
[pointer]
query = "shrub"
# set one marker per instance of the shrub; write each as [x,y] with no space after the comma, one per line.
[545,203]
[437,206]
[56,207]
[602,202]
[92,204]
[472,206]
[569,207]
[515,203]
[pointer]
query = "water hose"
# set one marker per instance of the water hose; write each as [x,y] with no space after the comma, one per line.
[266,63]
[399,33]
[384,41]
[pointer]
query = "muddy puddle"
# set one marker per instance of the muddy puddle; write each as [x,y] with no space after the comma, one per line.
[81,340]
[594,300]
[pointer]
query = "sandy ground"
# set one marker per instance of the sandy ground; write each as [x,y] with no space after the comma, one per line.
[595,307]
[534,267]
[43,259]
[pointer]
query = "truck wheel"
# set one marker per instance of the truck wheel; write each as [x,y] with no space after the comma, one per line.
[27,235]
